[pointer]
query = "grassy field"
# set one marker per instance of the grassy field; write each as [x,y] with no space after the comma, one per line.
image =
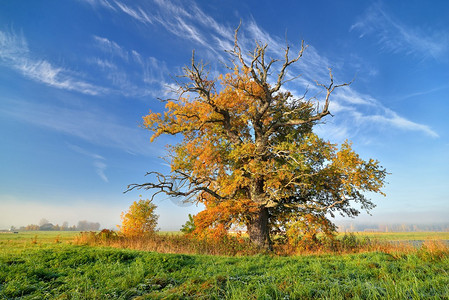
[44,266]
[38,236]
[402,236]
[66,236]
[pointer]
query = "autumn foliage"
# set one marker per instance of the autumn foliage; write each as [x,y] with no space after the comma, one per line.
[250,156]
[140,219]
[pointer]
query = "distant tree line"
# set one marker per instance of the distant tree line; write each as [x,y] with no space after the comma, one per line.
[399,227]
[45,225]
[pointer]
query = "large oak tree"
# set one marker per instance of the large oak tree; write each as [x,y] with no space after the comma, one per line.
[249,153]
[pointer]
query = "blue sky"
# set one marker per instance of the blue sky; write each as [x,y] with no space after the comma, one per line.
[77,76]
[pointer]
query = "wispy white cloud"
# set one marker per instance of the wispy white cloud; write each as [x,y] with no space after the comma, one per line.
[219,29]
[171,7]
[102,3]
[192,23]
[149,78]
[100,168]
[104,64]
[365,110]
[185,22]
[94,125]
[138,14]
[83,151]
[129,72]
[137,57]
[425,92]
[256,33]
[111,47]
[349,96]
[392,119]
[180,22]
[189,31]
[395,36]
[14,53]
[154,70]
[99,161]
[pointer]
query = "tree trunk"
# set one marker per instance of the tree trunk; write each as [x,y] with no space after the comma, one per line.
[258,229]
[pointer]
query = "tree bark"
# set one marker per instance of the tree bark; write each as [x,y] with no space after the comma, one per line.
[258,230]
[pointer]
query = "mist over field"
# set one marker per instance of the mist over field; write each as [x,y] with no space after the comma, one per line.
[17,214]
[172,216]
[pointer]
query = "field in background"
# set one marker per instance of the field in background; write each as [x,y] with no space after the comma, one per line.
[41,236]
[403,236]
[68,236]
[44,265]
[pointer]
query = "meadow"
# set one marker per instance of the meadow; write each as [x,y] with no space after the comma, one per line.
[404,236]
[48,265]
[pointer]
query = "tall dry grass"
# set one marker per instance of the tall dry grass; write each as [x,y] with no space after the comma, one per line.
[232,245]
[169,243]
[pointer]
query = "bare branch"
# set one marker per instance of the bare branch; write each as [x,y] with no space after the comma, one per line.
[320,114]
[171,185]
[237,51]
[287,62]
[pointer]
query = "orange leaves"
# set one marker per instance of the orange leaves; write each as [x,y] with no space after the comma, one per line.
[219,216]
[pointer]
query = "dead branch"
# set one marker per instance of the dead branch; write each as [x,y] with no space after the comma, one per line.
[172,185]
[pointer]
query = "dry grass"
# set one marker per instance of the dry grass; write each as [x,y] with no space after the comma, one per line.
[235,246]
[169,243]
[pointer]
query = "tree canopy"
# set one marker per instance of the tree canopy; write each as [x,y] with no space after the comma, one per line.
[249,152]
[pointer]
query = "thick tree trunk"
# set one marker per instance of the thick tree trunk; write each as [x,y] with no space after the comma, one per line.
[258,229]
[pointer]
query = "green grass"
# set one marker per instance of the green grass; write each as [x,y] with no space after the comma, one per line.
[170,232]
[48,269]
[37,236]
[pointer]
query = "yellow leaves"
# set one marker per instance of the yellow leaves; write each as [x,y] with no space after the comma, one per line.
[139,219]
[357,174]
[302,230]
[242,150]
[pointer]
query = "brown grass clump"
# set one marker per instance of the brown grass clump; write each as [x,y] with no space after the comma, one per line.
[433,250]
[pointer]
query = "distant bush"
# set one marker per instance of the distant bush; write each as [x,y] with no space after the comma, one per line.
[140,219]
